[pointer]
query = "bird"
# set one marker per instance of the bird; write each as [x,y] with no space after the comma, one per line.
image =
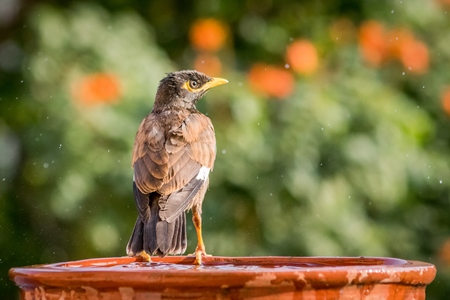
[173,153]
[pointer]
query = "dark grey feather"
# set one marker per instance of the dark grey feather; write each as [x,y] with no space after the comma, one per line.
[135,244]
[179,201]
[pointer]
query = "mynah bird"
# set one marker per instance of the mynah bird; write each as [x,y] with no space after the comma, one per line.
[174,151]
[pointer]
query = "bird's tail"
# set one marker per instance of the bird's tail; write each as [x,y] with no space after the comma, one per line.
[157,237]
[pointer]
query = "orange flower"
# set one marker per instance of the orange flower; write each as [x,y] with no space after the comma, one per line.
[209,64]
[208,34]
[396,39]
[372,42]
[412,53]
[271,81]
[414,56]
[302,56]
[445,98]
[97,88]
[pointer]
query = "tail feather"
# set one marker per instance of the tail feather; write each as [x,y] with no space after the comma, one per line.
[149,237]
[135,244]
[178,235]
[158,237]
[180,246]
[164,235]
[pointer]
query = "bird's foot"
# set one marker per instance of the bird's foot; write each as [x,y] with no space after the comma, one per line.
[144,256]
[199,253]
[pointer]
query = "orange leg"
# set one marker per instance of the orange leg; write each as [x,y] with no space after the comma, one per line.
[200,250]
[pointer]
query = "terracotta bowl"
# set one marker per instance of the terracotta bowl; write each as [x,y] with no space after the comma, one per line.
[227,278]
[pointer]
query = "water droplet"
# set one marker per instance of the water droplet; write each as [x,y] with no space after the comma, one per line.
[392,11]
[60,145]
[440,181]
[224,151]
[287,66]
[108,150]
[4,179]
[45,165]
[403,73]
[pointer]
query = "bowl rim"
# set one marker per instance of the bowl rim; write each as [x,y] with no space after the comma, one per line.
[222,271]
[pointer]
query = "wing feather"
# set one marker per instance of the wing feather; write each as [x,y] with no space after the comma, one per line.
[167,160]
[184,175]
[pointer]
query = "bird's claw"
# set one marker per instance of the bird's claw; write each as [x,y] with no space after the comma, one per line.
[199,253]
[144,256]
[198,257]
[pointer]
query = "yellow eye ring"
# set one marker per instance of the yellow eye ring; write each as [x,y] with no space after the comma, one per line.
[191,85]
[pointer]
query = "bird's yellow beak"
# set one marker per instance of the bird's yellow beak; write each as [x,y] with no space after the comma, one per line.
[215,81]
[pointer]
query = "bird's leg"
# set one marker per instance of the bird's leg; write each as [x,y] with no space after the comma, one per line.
[200,250]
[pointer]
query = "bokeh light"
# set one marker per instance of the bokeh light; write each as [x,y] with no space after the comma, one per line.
[302,56]
[96,89]
[271,81]
[208,34]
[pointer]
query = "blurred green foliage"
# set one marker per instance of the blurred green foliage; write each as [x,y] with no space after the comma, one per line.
[354,162]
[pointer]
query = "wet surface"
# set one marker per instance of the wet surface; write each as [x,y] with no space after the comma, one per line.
[233,264]
[223,267]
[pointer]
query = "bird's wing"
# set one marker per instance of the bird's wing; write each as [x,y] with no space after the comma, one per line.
[176,164]
[192,150]
[150,159]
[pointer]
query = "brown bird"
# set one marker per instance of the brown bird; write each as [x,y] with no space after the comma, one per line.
[173,153]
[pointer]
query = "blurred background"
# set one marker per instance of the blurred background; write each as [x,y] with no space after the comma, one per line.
[333,134]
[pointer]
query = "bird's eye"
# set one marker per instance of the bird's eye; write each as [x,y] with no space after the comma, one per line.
[193,84]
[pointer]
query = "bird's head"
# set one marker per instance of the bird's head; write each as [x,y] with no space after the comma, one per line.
[183,89]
